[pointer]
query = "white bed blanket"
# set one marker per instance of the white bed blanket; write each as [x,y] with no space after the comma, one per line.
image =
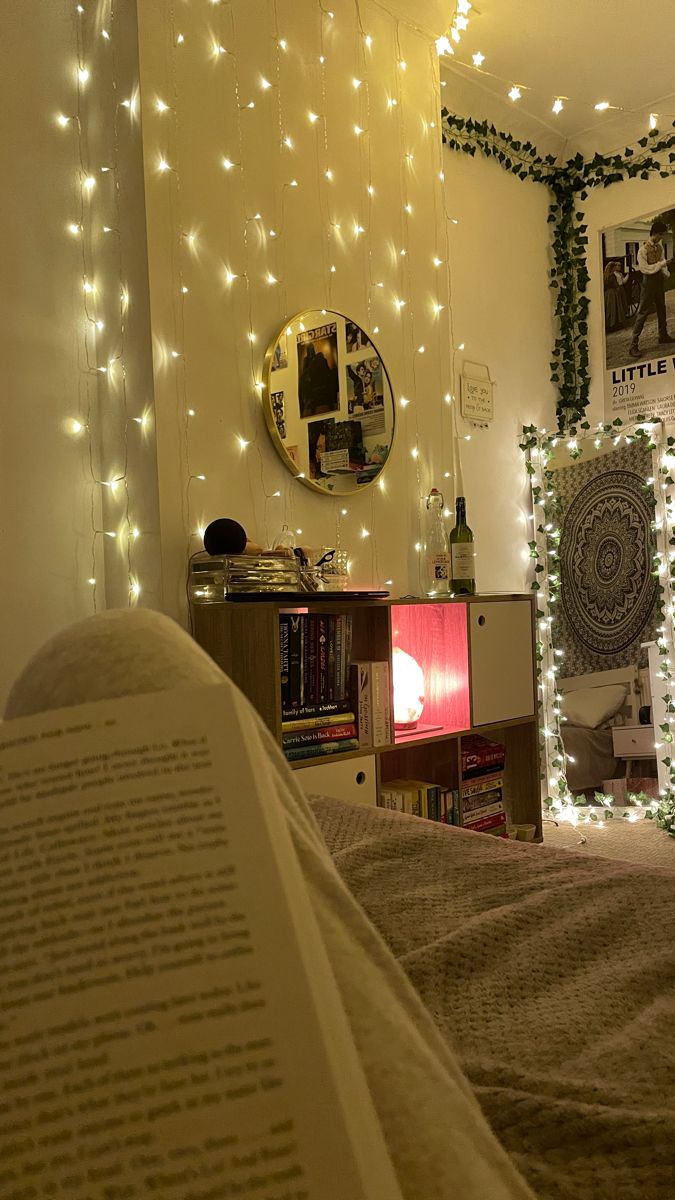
[552,974]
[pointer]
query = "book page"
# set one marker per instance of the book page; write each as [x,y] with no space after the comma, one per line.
[169,1023]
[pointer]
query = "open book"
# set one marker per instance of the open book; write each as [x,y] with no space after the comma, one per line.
[169,1023]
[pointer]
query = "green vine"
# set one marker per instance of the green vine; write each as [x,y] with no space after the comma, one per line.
[569,184]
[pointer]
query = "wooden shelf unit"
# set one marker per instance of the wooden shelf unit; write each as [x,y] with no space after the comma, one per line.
[493,659]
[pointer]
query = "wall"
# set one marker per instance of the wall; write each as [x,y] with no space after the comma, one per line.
[44,510]
[499,255]
[216,235]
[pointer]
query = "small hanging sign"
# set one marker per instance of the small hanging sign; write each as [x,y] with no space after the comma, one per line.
[476,399]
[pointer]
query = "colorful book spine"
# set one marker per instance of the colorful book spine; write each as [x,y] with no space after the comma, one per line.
[332,708]
[284,658]
[317,722]
[481,756]
[494,824]
[321,749]
[381,704]
[308,737]
[482,800]
[331,669]
[361,690]
[489,810]
[392,798]
[295,629]
[484,784]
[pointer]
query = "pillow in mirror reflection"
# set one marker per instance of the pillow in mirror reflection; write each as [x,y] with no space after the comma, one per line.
[408,678]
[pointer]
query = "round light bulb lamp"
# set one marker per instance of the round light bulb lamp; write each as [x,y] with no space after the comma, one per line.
[408,689]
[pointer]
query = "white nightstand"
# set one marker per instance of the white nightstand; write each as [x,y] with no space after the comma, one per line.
[633,742]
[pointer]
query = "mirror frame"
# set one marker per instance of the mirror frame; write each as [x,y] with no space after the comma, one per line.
[538,447]
[266,398]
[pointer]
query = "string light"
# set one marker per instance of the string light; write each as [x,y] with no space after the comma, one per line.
[247,254]
[515,93]
[557,105]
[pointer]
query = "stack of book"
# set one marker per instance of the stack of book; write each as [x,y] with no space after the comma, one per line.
[482,786]
[421,799]
[371,694]
[317,717]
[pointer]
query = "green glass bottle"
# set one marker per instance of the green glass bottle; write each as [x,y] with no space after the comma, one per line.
[462,554]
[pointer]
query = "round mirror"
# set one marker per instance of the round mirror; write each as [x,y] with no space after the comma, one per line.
[328,402]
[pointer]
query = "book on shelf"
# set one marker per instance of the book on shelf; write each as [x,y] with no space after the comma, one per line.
[321,749]
[170,1019]
[481,800]
[315,649]
[327,733]
[495,823]
[414,796]
[480,756]
[371,691]
[319,721]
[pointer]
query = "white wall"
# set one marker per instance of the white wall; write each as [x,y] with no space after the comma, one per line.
[44,515]
[55,512]
[499,253]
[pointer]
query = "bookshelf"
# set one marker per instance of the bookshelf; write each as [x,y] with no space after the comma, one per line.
[477,656]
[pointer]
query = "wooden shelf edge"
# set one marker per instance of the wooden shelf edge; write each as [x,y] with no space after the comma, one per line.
[367,751]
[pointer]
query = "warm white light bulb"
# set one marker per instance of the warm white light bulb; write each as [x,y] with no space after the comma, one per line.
[557,105]
[603,104]
[83,75]
[404,402]
[288,142]
[74,229]
[444,45]
[653,117]
[161,106]
[358,130]
[270,278]
[62,120]
[328,173]
[368,40]
[478,59]
[265,83]
[89,183]
[313,117]
[515,93]
[228,164]
[243,442]
[283,44]
[356,83]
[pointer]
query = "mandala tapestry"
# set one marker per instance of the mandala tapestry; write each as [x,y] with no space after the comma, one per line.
[608,594]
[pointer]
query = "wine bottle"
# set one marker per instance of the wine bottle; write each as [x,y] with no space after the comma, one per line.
[462,553]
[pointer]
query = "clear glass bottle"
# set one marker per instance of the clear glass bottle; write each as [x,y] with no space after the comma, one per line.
[436,569]
[462,554]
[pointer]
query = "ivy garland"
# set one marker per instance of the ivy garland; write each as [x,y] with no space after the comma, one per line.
[569,185]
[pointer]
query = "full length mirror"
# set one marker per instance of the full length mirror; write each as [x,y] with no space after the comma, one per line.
[599,506]
[328,402]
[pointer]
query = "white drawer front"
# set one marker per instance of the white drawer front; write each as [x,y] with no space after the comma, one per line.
[633,741]
[502,681]
[353,779]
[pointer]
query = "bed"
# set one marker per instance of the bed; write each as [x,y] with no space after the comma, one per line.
[590,756]
[553,977]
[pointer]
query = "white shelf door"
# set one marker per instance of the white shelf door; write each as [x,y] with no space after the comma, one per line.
[502,677]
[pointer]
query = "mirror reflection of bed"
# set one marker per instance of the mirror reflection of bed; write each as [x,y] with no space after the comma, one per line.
[595,706]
